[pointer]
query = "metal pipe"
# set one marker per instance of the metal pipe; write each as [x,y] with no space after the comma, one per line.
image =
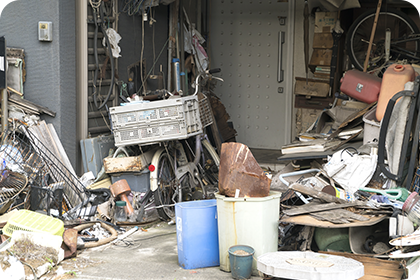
[4,110]
[82,75]
[184,87]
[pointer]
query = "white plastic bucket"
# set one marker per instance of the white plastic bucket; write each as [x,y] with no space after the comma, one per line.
[247,221]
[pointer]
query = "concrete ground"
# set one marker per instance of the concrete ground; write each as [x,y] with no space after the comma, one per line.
[150,254]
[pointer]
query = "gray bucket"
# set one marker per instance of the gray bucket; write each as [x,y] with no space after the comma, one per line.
[240,258]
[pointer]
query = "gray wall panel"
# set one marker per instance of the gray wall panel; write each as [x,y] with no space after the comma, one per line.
[50,66]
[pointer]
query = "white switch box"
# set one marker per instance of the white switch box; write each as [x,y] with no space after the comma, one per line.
[45,31]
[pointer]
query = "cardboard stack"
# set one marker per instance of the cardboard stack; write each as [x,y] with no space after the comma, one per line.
[322,44]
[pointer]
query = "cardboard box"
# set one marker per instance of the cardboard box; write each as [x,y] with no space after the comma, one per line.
[324,21]
[323,40]
[320,57]
[312,87]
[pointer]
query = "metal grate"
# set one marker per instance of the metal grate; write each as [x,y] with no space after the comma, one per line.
[23,153]
[206,113]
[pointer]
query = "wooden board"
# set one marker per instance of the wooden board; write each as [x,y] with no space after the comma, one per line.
[375,269]
[311,87]
[307,220]
[312,208]
[128,164]
[339,216]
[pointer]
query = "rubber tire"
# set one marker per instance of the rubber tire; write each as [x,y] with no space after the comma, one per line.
[362,17]
[163,195]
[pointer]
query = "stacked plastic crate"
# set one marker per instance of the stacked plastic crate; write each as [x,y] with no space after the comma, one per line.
[151,122]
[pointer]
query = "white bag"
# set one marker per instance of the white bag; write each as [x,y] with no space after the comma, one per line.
[350,169]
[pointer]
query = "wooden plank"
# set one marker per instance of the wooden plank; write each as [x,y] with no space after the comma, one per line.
[32,106]
[307,220]
[375,269]
[355,117]
[317,194]
[322,195]
[59,147]
[128,164]
[315,207]
[339,216]
[311,87]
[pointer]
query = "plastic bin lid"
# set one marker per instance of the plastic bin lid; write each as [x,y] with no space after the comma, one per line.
[309,265]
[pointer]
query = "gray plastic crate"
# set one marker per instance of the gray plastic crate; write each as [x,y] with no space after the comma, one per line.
[148,123]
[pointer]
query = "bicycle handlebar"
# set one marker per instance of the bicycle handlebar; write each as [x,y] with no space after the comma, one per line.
[206,73]
[215,70]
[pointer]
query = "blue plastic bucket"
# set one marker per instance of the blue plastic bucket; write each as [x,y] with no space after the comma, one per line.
[240,258]
[197,234]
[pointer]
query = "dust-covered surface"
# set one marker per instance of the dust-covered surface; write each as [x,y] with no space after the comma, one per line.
[30,254]
[70,268]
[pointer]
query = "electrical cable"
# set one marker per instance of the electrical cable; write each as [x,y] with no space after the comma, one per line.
[103,30]
[163,48]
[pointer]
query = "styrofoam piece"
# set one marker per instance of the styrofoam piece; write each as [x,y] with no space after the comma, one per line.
[399,254]
[412,270]
[371,126]
[405,226]
[407,240]
[309,266]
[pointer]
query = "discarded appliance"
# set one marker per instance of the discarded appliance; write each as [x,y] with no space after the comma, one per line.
[240,172]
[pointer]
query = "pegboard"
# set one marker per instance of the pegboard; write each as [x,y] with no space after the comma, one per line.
[249,40]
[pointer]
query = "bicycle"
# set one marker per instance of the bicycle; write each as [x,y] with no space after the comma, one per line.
[396,40]
[179,172]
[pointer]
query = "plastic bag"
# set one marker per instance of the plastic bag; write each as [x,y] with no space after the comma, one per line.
[350,169]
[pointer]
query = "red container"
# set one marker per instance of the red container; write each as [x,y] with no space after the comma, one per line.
[361,86]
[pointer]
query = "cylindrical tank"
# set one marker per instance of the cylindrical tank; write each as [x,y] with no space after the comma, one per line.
[393,81]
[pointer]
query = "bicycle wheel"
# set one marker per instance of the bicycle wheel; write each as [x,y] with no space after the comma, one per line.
[401,28]
[210,166]
[166,187]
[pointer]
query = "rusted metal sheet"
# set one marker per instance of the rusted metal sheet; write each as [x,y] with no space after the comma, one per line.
[239,170]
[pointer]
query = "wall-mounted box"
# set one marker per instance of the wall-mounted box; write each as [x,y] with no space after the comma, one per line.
[45,31]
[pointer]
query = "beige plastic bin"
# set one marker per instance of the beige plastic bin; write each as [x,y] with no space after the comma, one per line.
[248,221]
